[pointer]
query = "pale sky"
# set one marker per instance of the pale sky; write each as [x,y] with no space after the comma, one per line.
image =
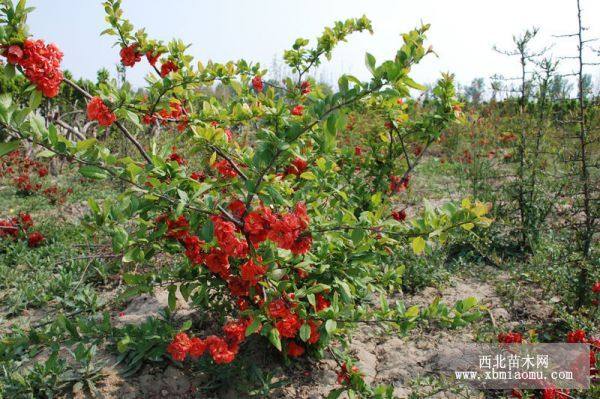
[463,32]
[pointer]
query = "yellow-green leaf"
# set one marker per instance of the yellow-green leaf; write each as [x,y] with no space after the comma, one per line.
[418,245]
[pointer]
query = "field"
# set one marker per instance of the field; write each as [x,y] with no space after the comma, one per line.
[221,234]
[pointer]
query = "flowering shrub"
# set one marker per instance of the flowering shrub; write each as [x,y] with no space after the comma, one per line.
[573,337]
[30,177]
[284,237]
[18,228]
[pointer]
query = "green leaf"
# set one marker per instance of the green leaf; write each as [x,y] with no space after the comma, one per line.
[418,245]
[467,226]
[8,147]
[308,176]
[469,302]
[45,154]
[370,62]
[119,239]
[172,297]
[35,99]
[275,339]
[305,332]
[252,328]
[330,326]
[411,312]
[93,172]
[122,344]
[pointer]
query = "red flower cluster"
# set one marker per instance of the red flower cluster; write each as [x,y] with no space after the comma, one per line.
[257,83]
[198,176]
[576,337]
[295,350]
[175,113]
[168,67]
[297,167]
[152,58]
[398,184]
[510,338]
[222,350]
[298,110]
[98,111]
[287,230]
[130,55]
[40,63]
[24,185]
[18,227]
[225,168]
[305,87]
[174,156]
[344,374]
[357,151]
[553,393]
[596,287]
[321,302]
[399,215]
[19,164]
[35,239]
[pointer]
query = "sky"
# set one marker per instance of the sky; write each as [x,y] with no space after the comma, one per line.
[463,32]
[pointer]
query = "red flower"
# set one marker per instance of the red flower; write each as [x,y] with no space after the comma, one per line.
[130,55]
[198,176]
[288,326]
[297,167]
[295,350]
[179,347]
[510,338]
[152,58]
[279,308]
[398,184]
[42,172]
[176,157]
[596,287]
[197,348]
[305,86]
[14,54]
[251,272]
[553,393]
[237,208]
[225,234]
[35,239]
[168,67]
[257,226]
[302,274]
[302,244]
[257,83]
[242,303]
[344,374]
[148,119]
[217,262]
[577,336]
[224,168]
[24,220]
[298,110]
[238,287]
[40,63]
[357,151]
[235,331]
[220,351]
[322,302]
[314,332]
[98,111]
[516,394]
[8,228]
[399,215]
